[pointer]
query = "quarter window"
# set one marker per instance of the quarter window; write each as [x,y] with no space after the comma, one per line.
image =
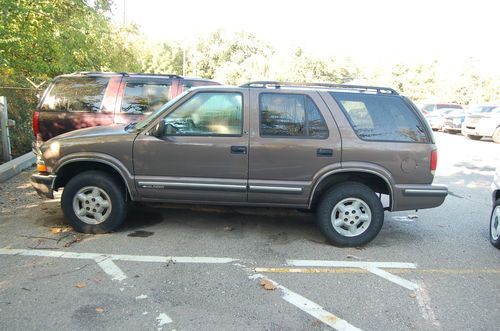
[143,97]
[290,115]
[76,94]
[207,114]
[381,117]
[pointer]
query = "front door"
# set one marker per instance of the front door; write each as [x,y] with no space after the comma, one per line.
[202,156]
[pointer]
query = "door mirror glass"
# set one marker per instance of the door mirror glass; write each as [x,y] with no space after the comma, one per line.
[159,129]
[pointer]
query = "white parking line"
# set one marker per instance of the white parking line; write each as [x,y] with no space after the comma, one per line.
[310,307]
[105,261]
[117,257]
[393,278]
[373,267]
[424,303]
[109,267]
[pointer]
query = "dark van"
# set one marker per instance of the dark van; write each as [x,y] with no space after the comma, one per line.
[87,99]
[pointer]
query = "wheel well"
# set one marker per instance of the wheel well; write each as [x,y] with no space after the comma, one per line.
[70,170]
[376,183]
[497,195]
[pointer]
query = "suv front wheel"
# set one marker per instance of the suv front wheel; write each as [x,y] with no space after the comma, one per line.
[495,225]
[350,214]
[94,202]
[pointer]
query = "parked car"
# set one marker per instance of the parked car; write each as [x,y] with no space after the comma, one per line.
[323,147]
[436,118]
[87,99]
[452,122]
[484,121]
[495,213]
[429,108]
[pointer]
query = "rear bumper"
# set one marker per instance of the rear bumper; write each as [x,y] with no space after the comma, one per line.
[43,184]
[409,197]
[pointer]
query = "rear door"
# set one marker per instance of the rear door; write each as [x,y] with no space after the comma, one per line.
[203,154]
[293,138]
[76,102]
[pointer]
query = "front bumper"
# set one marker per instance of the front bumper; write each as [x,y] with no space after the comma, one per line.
[43,184]
[408,197]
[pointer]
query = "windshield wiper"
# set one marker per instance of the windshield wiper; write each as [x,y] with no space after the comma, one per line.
[130,125]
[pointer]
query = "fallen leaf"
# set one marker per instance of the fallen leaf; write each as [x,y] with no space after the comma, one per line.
[267,285]
[413,295]
[56,230]
[99,310]
[80,285]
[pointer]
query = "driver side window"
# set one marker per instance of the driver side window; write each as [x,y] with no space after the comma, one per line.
[207,114]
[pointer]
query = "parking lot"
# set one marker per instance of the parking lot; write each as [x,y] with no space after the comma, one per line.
[195,267]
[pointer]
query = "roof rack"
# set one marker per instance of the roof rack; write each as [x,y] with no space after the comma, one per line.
[277,85]
[104,73]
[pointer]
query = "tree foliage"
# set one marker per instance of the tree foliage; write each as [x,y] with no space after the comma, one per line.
[44,38]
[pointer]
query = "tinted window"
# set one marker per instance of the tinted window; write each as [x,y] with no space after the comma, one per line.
[293,115]
[482,109]
[381,117]
[187,84]
[141,97]
[76,94]
[449,106]
[207,114]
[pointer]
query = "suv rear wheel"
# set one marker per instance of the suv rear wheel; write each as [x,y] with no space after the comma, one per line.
[94,202]
[350,214]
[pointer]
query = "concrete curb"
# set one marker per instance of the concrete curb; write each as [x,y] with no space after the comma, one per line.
[12,168]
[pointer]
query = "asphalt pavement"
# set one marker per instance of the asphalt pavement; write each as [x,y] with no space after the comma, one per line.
[207,268]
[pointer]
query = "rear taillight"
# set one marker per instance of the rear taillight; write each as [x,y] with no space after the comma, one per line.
[434,161]
[35,123]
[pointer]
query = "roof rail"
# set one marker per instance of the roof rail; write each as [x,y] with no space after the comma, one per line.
[90,73]
[277,85]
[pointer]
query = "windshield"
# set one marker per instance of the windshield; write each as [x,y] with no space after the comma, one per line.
[145,122]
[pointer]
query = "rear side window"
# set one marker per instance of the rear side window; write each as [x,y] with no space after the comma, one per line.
[290,115]
[76,94]
[143,96]
[381,117]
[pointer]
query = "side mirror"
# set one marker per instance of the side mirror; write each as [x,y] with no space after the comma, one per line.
[159,130]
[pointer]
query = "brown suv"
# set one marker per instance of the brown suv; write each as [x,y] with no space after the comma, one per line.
[335,149]
[86,99]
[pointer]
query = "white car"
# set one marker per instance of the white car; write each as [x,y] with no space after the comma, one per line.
[436,118]
[483,122]
[495,213]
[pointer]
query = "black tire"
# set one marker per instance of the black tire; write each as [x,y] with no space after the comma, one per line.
[472,137]
[111,191]
[344,192]
[494,220]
